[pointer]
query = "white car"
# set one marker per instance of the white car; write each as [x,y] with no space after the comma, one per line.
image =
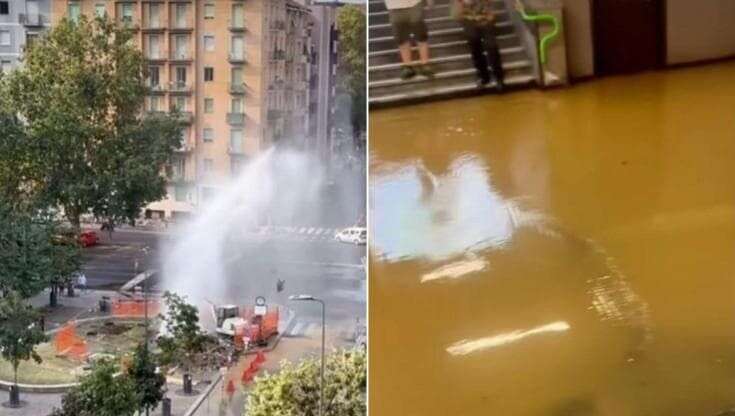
[354,235]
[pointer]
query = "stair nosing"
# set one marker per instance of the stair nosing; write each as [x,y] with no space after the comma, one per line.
[441,32]
[507,50]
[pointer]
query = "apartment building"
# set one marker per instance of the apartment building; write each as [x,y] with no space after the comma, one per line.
[236,70]
[21,21]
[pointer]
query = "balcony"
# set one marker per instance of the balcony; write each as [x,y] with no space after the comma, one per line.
[180,88]
[155,27]
[274,115]
[237,26]
[185,148]
[236,58]
[180,56]
[128,23]
[238,88]
[278,55]
[185,116]
[236,119]
[155,56]
[236,151]
[157,89]
[30,20]
[278,25]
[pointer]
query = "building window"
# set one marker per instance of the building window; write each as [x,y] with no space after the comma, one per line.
[181,15]
[179,103]
[208,134]
[180,193]
[237,76]
[208,165]
[209,11]
[74,11]
[100,10]
[4,7]
[209,105]
[236,140]
[154,76]
[5,67]
[209,43]
[208,73]
[236,105]
[154,103]
[4,38]
[154,15]
[127,12]
[182,46]
[154,47]
[180,76]
[238,19]
[238,47]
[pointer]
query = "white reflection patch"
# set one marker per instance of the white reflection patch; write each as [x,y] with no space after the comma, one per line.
[465,347]
[456,270]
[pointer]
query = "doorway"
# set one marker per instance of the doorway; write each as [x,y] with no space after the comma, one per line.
[629,35]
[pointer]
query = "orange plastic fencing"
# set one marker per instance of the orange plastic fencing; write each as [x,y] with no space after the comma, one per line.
[69,344]
[135,307]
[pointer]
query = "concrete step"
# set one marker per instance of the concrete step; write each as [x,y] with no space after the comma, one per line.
[438,89]
[501,27]
[378,6]
[435,36]
[438,50]
[429,14]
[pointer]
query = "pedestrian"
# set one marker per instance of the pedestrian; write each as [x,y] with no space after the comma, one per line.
[478,22]
[407,19]
[82,281]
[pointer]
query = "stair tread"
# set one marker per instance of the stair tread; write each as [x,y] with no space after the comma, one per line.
[448,90]
[436,20]
[458,43]
[452,73]
[449,58]
[441,32]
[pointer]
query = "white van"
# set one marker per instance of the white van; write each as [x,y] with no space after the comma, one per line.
[354,235]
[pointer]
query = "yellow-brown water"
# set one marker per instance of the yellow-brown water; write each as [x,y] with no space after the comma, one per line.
[559,253]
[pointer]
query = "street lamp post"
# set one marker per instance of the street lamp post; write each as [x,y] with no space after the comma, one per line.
[309,298]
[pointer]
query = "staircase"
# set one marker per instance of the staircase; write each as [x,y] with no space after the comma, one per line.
[450,56]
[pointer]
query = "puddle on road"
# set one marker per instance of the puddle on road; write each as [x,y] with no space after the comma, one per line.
[556,254]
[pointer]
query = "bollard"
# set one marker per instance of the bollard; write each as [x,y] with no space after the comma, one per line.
[166,406]
[105,304]
[187,384]
[14,396]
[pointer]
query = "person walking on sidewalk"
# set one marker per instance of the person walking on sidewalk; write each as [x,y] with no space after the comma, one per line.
[407,18]
[478,21]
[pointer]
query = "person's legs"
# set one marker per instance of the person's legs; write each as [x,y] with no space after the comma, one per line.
[421,35]
[474,41]
[493,53]
[400,21]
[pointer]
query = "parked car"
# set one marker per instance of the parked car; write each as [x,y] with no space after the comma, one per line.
[354,235]
[88,238]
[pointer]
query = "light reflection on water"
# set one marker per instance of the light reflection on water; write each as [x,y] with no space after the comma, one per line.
[419,214]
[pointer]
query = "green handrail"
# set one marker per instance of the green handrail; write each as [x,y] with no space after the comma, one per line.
[544,43]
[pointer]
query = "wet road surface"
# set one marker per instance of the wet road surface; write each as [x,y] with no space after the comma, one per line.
[559,253]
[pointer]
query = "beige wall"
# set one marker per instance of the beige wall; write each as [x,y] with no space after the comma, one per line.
[578,34]
[700,30]
[696,31]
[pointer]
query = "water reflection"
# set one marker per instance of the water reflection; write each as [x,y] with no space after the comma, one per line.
[465,347]
[420,214]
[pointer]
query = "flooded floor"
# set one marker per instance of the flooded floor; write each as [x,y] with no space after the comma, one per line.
[559,253]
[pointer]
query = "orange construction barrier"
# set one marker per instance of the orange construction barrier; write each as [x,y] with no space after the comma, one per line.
[230,389]
[259,358]
[135,307]
[67,343]
[247,376]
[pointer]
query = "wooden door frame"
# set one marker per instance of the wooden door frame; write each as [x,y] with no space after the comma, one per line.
[661,36]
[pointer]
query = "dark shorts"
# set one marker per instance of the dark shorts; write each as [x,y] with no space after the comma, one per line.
[407,22]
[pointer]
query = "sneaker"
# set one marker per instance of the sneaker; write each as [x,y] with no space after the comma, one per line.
[407,72]
[426,71]
[482,82]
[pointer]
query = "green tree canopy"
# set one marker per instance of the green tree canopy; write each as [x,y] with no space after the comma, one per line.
[184,344]
[352,51]
[20,332]
[85,143]
[149,383]
[101,393]
[294,389]
[31,257]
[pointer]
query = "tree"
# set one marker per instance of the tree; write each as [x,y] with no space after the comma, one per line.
[149,384]
[19,334]
[101,393]
[294,389]
[30,257]
[87,145]
[351,24]
[184,344]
